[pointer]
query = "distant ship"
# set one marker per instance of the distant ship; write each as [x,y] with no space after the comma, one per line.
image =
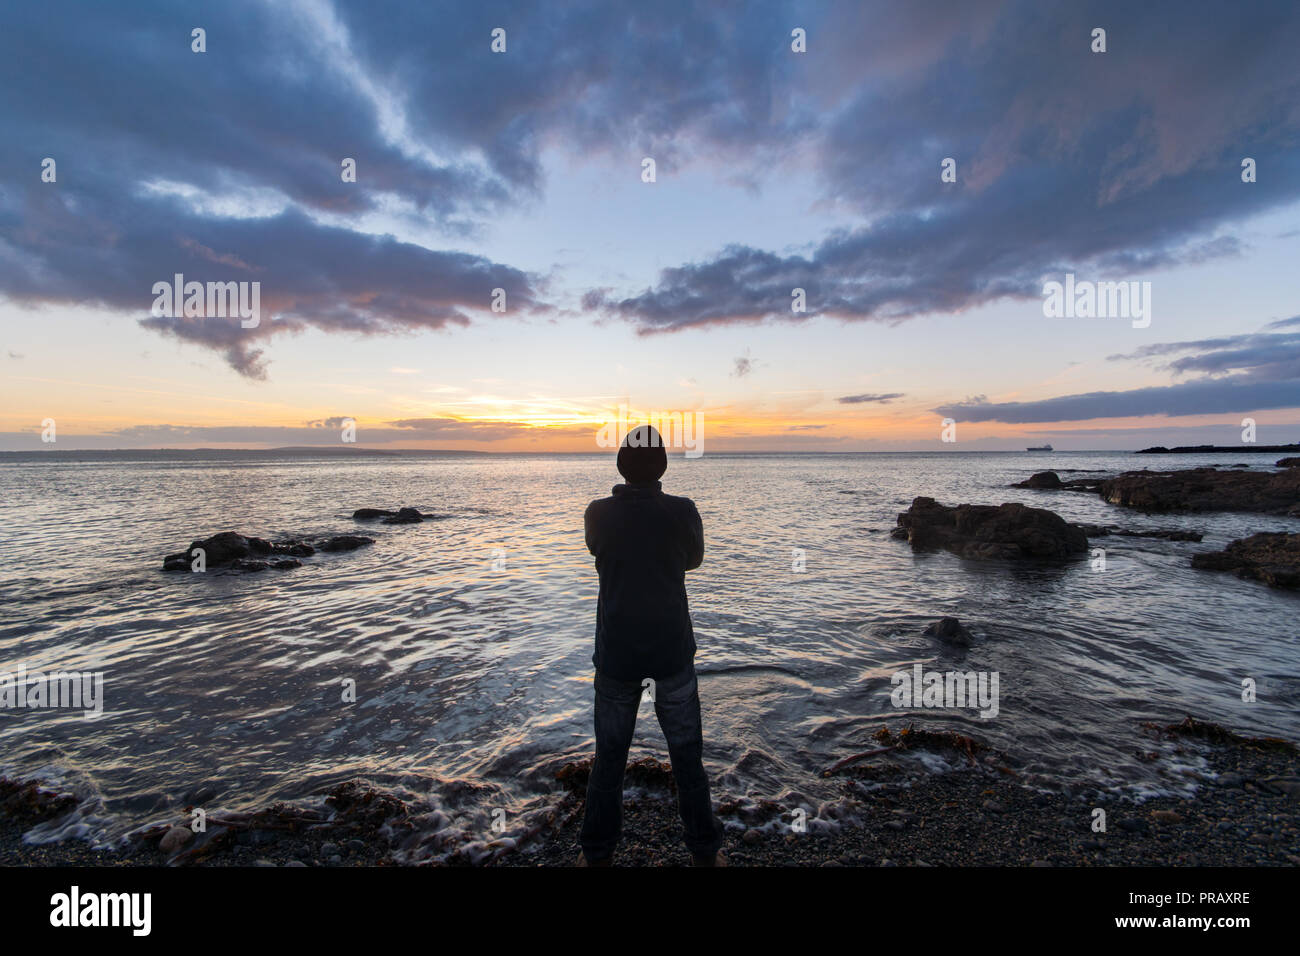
[1040,448]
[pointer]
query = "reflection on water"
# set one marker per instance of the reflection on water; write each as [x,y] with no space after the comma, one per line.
[473,684]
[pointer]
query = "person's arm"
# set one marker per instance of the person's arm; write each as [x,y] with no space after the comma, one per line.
[695,539]
[589,527]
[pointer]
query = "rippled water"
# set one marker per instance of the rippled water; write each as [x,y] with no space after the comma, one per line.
[474,683]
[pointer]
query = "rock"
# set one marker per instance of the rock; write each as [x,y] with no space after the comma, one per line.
[752,836]
[1040,863]
[1166,816]
[1231,779]
[345,542]
[1042,480]
[238,552]
[1288,462]
[1288,786]
[175,838]
[1169,535]
[243,564]
[992,806]
[295,863]
[1104,531]
[1270,557]
[400,516]
[222,548]
[1133,825]
[1011,531]
[950,631]
[329,849]
[1206,489]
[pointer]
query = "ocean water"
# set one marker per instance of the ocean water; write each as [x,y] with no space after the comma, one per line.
[469,637]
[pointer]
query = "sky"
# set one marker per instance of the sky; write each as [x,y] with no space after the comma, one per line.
[921,171]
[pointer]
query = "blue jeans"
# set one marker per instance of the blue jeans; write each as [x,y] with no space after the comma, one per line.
[677,705]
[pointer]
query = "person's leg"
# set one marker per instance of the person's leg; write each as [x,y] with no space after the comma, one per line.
[677,705]
[616,707]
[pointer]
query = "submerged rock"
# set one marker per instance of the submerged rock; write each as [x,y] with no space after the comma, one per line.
[1271,557]
[239,552]
[400,516]
[1011,531]
[950,631]
[231,551]
[1103,531]
[345,542]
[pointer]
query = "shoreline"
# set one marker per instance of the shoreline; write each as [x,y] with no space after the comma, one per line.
[1246,812]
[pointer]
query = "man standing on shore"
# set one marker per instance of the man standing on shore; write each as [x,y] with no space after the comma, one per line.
[644,542]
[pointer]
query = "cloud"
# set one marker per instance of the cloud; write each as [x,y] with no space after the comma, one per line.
[1259,356]
[328,431]
[1110,165]
[882,398]
[1191,398]
[1251,372]
[226,165]
[743,366]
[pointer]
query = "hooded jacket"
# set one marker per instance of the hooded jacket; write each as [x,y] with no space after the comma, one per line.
[644,542]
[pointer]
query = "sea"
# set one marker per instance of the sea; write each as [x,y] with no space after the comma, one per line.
[449,663]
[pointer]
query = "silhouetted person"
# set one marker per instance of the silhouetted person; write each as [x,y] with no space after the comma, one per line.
[644,542]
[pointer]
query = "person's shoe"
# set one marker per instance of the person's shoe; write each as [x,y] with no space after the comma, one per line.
[718,859]
[583,861]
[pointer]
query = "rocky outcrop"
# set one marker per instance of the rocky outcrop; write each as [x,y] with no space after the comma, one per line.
[1205,489]
[1051,481]
[345,542]
[1287,462]
[949,630]
[1043,480]
[400,516]
[1103,531]
[237,552]
[1011,531]
[1271,557]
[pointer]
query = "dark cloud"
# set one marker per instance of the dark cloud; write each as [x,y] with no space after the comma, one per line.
[225,165]
[1190,398]
[1243,373]
[1109,165]
[882,398]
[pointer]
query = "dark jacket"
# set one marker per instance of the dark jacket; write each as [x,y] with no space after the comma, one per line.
[644,542]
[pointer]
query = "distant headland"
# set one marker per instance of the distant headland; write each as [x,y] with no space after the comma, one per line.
[1217,449]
